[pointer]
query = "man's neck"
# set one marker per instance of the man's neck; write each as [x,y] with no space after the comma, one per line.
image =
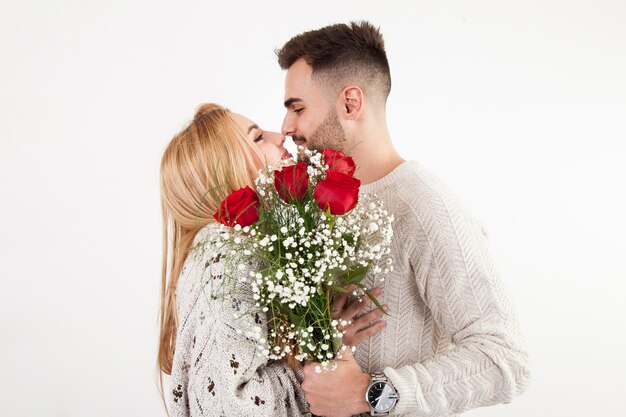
[375,167]
[375,156]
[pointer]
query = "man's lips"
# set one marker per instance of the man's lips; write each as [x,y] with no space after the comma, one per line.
[298,141]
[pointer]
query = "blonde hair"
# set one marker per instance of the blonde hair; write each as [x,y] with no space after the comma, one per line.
[202,164]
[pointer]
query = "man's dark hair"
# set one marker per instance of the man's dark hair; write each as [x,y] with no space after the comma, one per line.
[341,54]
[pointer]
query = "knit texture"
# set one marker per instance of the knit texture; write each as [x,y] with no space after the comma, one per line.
[451,342]
[217,370]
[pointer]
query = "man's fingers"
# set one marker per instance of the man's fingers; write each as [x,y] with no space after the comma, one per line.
[339,302]
[314,401]
[356,306]
[367,319]
[358,337]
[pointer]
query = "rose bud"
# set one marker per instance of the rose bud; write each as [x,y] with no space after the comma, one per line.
[338,161]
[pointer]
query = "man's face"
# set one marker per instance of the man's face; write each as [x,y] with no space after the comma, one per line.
[311,118]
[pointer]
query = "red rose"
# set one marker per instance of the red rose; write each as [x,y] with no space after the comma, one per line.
[338,161]
[240,207]
[338,191]
[291,182]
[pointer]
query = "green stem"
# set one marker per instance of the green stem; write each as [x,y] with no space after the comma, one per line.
[337,342]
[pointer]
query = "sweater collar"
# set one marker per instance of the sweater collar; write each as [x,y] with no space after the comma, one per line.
[389,179]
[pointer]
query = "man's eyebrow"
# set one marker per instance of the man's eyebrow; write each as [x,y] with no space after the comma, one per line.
[290,101]
[252,127]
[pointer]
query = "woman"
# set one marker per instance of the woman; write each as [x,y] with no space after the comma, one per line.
[215,370]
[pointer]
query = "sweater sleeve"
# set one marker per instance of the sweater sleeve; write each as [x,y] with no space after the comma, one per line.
[217,370]
[487,363]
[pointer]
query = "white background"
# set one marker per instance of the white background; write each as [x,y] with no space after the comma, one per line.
[520,106]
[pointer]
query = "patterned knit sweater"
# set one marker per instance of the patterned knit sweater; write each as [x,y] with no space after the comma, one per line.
[451,341]
[216,370]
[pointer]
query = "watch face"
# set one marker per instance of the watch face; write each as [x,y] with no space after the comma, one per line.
[381,396]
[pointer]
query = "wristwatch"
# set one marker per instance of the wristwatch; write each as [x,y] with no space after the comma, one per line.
[380,395]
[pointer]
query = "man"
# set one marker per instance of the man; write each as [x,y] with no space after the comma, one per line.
[450,342]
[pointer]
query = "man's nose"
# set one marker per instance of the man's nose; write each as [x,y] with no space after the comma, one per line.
[288,128]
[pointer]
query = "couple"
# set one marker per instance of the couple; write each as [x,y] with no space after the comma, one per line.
[450,342]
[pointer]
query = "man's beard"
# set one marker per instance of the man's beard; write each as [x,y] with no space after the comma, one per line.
[329,134]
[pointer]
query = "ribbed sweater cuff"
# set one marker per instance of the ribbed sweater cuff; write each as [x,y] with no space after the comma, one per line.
[404,380]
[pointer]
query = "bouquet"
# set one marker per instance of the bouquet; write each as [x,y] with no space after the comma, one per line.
[310,236]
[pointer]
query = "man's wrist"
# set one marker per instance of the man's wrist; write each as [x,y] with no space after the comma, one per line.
[361,405]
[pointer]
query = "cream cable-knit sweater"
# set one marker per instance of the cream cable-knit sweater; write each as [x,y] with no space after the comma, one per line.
[216,370]
[451,342]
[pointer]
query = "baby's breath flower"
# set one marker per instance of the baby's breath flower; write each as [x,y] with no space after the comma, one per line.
[298,251]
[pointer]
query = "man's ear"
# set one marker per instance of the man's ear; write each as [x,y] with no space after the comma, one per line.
[352,102]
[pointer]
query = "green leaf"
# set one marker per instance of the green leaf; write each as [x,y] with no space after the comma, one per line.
[338,288]
[295,319]
[371,297]
[330,219]
[354,276]
[283,309]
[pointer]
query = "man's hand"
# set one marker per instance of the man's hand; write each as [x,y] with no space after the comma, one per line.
[361,327]
[338,393]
